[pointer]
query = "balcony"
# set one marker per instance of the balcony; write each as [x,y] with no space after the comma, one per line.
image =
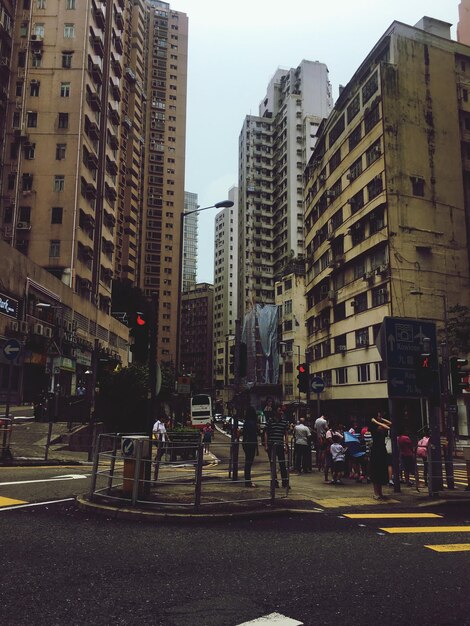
[95,67]
[94,100]
[99,14]
[96,41]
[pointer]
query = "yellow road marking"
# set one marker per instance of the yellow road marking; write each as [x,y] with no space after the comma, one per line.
[10,501]
[427,529]
[334,503]
[390,515]
[450,547]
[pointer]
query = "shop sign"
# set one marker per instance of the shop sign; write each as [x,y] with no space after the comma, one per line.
[8,306]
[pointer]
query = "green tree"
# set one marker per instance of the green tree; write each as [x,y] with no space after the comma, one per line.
[458,329]
[122,401]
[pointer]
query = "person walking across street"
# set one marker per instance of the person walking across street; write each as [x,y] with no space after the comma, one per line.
[302,437]
[207,433]
[276,445]
[250,442]
[407,457]
[422,453]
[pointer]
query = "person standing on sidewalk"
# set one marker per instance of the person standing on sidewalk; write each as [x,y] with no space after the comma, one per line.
[321,427]
[159,434]
[276,444]
[379,427]
[250,442]
[302,436]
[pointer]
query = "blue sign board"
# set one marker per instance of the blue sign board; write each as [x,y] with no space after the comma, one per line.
[11,349]
[317,384]
[8,306]
[399,342]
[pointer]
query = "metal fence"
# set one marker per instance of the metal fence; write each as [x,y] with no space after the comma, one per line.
[143,472]
[6,425]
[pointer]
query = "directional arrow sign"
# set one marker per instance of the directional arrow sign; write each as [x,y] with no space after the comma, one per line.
[11,349]
[317,384]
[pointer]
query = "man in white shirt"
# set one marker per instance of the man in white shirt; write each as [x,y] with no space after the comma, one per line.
[321,427]
[159,433]
[302,437]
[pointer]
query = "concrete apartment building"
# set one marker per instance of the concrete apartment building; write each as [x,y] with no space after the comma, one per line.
[463,26]
[386,200]
[93,177]
[290,300]
[225,296]
[197,307]
[167,55]
[274,148]
[190,239]
[6,43]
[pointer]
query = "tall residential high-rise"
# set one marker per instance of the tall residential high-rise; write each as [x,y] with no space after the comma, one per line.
[386,217]
[463,26]
[190,241]
[6,42]
[167,55]
[274,149]
[225,291]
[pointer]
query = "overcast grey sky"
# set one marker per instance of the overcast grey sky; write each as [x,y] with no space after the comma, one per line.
[235,48]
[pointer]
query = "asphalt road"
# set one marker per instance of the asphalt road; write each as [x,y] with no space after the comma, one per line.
[63,566]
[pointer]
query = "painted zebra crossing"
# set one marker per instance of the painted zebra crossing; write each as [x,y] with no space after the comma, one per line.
[428,530]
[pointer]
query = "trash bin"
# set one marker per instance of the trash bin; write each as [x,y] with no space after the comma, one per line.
[131,454]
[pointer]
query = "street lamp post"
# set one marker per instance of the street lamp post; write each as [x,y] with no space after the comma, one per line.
[224,204]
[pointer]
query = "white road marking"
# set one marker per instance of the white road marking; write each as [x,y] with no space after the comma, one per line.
[273,619]
[23,506]
[46,480]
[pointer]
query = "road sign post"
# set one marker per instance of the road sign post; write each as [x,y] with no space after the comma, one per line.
[11,351]
[317,385]
[399,342]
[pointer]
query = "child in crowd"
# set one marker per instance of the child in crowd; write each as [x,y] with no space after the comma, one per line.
[337,456]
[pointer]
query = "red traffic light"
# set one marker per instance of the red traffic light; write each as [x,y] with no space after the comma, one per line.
[140,319]
[301,369]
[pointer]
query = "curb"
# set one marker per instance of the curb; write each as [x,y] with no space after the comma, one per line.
[36,462]
[152,516]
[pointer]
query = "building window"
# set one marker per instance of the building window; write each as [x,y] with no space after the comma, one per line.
[373,153]
[355,137]
[54,248]
[21,58]
[379,296]
[69,30]
[375,187]
[67,60]
[370,88]
[32,119]
[70,5]
[39,30]
[60,151]
[363,373]
[34,88]
[417,183]
[353,108]
[341,375]
[380,371]
[27,182]
[25,214]
[288,284]
[357,201]
[360,302]
[56,215]
[371,119]
[19,89]
[29,151]
[362,338]
[64,90]
[40,4]
[358,233]
[36,60]
[355,169]
[63,120]
[287,307]
[59,183]
[16,119]
[340,343]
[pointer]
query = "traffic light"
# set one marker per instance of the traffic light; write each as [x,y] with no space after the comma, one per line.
[458,375]
[140,333]
[303,377]
[426,372]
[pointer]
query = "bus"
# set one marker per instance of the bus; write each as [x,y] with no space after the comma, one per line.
[201,410]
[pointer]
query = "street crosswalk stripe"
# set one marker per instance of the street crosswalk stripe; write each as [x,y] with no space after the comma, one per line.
[273,619]
[427,529]
[335,503]
[390,515]
[9,501]
[450,547]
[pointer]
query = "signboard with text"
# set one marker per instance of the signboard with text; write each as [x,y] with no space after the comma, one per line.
[399,342]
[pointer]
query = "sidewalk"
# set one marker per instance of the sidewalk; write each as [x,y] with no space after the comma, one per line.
[308,491]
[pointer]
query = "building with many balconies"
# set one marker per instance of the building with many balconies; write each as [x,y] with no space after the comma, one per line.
[386,208]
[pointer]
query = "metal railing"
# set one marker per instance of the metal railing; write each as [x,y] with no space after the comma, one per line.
[6,426]
[143,472]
